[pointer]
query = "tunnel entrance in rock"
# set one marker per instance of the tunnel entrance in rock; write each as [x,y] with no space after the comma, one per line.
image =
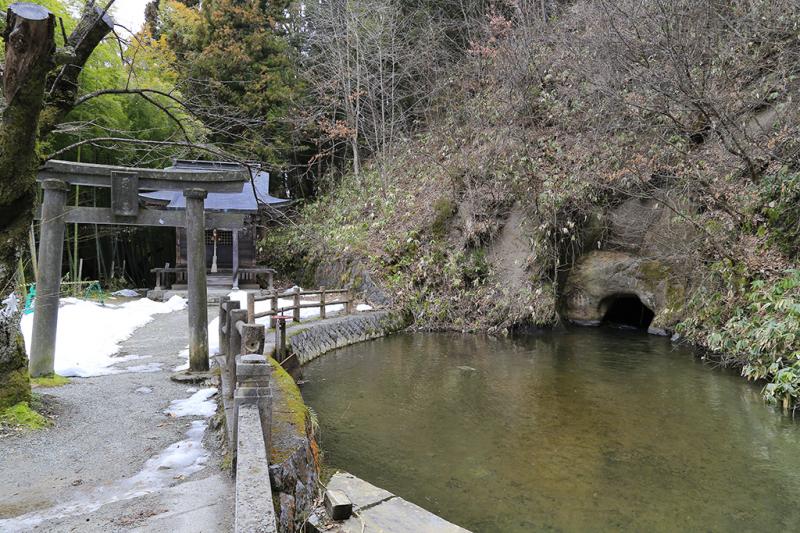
[626,310]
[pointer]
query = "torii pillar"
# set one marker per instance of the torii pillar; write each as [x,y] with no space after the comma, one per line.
[48,286]
[196,279]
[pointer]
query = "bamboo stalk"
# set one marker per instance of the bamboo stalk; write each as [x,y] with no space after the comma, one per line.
[34,259]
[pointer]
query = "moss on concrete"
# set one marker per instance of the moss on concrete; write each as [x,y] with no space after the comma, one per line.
[297,410]
[21,415]
[289,413]
[227,462]
[53,380]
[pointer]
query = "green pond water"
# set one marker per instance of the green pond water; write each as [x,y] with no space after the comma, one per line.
[584,430]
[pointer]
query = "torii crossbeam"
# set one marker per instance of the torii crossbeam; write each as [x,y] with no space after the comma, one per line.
[125,184]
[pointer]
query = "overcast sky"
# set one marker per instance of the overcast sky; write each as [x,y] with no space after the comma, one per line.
[129,13]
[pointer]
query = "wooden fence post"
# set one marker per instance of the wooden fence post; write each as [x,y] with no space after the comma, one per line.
[296,310]
[273,306]
[234,341]
[225,306]
[348,306]
[322,302]
[251,308]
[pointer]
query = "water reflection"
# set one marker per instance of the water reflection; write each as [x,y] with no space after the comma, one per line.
[584,430]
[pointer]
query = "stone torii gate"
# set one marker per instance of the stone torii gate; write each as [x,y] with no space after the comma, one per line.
[125,184]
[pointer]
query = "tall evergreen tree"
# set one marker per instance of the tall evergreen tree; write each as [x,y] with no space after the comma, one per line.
[238,60]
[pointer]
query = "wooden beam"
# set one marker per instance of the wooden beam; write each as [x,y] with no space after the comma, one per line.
[146,217]
[150,179]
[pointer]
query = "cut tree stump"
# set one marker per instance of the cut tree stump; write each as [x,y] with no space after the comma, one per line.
[29,57]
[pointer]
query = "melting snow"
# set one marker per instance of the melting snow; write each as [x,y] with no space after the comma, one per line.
[198,404]
[90,333]
[179,460]
[144,369]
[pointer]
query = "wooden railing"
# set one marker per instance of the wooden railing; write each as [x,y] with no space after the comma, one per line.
[163,272]
[240,334]
[297,303]
[250,274]
[240,274]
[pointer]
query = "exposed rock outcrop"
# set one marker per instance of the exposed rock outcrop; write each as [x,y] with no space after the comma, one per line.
[601,276]
[352,275]
[639,256]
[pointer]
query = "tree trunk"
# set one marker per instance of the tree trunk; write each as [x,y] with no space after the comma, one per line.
[30,49]
[62,85]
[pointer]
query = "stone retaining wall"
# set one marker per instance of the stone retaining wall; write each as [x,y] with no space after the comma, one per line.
[294,458]
[316,339]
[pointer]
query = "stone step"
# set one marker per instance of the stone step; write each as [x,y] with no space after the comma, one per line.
[379,511]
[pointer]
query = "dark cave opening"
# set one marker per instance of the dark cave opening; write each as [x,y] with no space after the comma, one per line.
[626,310]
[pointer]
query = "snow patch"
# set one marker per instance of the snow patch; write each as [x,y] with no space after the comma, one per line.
[144,369]
[89,333]
[198,404]
[364,307]
[177,461]
[126,293]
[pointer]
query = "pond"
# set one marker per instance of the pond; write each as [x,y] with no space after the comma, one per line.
[589,429]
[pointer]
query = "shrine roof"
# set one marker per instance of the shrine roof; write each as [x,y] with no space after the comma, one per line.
[254,193]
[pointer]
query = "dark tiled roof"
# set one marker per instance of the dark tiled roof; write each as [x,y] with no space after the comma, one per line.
[254,193]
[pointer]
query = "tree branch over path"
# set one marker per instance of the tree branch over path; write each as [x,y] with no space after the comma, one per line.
[185,144]
[102,92]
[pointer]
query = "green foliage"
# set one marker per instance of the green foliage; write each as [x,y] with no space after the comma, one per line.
[239,59]
[780,197]
[149,64]
[754,325]
[444,208]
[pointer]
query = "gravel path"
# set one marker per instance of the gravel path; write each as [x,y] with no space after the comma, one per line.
[106,430]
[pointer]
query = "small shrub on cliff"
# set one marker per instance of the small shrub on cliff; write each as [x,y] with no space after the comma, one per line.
[780,195]
[444,209]
[755,325]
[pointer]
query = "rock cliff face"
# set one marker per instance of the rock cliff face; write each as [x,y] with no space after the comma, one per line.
[638,256]
[601,278]
[344,273]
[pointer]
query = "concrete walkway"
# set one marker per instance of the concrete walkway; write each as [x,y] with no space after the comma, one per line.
[113,461]
[376,510]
